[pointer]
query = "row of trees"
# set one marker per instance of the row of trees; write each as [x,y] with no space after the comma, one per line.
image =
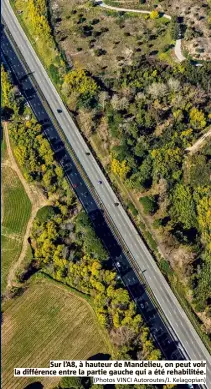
[85,271]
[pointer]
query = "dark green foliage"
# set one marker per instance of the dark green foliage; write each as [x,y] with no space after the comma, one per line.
[200,171]
[149,204]
[174,28]
[202,292]
[87,100]
[45,213]
[133,209]
[92,244]
[151,242]
[54,73]
[71,382]
[165,267]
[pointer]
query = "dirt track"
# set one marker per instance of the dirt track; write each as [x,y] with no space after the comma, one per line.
[36,198]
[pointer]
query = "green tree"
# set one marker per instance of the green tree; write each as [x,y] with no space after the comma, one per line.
[6,88]
[79,81]
[149,204]
[183,208]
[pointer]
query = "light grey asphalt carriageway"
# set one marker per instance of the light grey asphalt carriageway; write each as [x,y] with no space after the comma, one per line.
[175,315]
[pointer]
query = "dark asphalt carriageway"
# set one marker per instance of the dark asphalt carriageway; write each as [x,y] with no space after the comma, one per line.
[166,341]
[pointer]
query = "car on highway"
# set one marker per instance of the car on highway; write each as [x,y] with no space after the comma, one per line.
[100,182]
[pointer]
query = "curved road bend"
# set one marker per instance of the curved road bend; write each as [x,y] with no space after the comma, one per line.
[174,313]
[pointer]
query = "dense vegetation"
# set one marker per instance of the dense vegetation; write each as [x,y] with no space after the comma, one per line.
[148,113]
[153,113]
[65,246]
[16,207]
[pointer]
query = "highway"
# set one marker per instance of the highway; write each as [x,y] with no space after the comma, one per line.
[178,321]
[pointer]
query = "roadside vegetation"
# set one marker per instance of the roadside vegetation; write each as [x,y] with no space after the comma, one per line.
[144,114]
[65,247]
[140,118]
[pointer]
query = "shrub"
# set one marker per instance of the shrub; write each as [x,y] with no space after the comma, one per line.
[45,213]
[54,73]
[154,14]
[149,204]
[132,209]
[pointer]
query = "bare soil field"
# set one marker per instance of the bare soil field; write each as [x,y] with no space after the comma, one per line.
[46,322]
[102,41]
[194,15]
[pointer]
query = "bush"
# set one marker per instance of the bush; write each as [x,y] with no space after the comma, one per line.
[149,204]
[165,267]
[154,14]
[151,242]
[132,209]
[45,213]
[54,73]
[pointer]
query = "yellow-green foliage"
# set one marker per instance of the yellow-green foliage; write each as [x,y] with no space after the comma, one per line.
[79,81]
[37,17]
[166,161]
[204,220]
[120,168]
[197,118]
[5,88]
[34,17]
[154,14]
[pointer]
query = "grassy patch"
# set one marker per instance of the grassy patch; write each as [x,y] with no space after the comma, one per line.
[16,213]
[17,207]
[46,322]
[3,146]
[11,249]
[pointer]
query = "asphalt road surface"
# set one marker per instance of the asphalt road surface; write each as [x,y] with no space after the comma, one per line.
[184,333]
[96,214]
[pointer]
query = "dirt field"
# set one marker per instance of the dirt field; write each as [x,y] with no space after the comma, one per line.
[196,16]
[46,322]
[114,39]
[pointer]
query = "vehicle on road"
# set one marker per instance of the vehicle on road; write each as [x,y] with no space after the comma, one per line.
[100,182]
[59,110]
